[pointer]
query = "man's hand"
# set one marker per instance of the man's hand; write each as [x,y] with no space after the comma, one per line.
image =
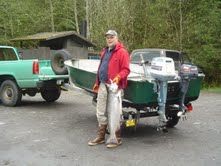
[116,79]
[95,88]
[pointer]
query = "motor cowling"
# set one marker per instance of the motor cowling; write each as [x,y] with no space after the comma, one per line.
[163,68]
[188,71]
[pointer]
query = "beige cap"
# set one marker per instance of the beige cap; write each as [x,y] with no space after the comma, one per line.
[111,32]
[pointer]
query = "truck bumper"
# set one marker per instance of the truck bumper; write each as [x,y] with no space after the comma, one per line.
[52,77]
[51,83]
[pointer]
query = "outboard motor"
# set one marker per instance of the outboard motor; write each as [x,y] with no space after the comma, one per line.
[162,70]
[186,73]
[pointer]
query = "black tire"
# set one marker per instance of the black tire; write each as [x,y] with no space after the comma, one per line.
[172,118]
[10,94]
[51,95]
[57,62]
[172,121]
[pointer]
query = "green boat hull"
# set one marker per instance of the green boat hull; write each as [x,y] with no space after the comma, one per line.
[82,78]
[139,92]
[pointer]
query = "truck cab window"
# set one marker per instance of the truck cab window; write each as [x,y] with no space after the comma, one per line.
[1,56]
[9,54]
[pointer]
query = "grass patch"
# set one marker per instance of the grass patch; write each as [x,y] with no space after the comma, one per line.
[213,90]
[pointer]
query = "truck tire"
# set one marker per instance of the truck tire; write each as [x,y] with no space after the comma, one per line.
[10,94]
[51,95]
[57,62]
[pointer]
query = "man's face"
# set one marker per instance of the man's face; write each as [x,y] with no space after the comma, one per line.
[111,40]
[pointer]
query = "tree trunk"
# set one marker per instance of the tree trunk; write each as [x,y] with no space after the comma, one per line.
[52,16]
[76,16]
[87,19]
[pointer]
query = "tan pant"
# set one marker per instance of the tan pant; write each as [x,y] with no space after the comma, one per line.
[102,105]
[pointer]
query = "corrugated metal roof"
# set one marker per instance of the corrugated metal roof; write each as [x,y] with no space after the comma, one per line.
[46,36]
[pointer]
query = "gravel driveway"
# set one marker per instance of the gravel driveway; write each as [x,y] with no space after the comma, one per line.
[41,134]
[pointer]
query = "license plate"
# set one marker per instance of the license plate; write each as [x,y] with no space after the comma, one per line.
[130,123]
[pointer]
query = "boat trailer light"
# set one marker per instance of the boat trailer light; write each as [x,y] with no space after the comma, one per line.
[189,107]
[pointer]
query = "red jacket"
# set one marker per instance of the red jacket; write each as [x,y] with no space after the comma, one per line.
[118,65]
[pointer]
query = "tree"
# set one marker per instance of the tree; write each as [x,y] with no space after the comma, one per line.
[190,26]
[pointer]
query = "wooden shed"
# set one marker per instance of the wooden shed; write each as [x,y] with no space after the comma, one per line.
[48,42]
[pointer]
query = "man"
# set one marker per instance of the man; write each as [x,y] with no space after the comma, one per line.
[114,65]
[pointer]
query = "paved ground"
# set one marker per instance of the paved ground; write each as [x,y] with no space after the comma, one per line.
[41,134]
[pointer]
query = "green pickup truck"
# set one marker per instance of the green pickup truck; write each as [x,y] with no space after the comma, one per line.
[19,77]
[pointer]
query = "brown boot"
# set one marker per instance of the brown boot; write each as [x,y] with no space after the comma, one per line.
[118,135]
[100,139]
[119,141]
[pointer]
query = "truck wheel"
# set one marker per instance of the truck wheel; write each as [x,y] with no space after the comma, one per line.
[57,62]
[51,95]
[10,94]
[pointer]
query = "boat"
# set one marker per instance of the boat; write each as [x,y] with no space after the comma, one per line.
[141,91]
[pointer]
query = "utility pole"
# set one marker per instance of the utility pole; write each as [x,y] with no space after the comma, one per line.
[181,26]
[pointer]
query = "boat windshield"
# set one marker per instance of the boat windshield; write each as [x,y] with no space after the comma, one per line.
[146,56]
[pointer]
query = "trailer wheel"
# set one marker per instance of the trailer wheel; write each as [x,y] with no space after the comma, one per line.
[10,94]
[51,95]
[57,62]
[172,121]
[172,118]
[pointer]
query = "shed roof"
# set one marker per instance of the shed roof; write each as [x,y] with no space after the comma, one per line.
[47,36]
